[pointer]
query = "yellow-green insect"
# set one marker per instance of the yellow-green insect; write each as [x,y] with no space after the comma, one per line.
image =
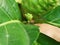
[28,16]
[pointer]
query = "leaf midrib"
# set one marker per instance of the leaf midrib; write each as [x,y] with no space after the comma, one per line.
[9,22]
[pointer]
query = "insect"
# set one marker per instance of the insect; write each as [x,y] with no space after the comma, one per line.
[29,17]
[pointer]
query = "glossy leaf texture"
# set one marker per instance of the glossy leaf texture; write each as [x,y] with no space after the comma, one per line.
[11,30]
[53,17]
[33,32]
[13,33]
[9,10]
[45,40]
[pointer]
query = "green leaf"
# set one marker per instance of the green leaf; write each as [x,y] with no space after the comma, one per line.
[11,30]
[53,17]
[13,33]
[33,32]
[9,10]
[45,40]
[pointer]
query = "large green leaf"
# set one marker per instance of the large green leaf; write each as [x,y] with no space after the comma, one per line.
[33,32]
[13,33]
[53,17]
[45,40]
[11,30]
[9,10]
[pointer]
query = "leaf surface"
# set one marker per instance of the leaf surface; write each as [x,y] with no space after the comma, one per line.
[11,29]
[13,33]
[9,10]
[33,32]
[45,40]
[53,17]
